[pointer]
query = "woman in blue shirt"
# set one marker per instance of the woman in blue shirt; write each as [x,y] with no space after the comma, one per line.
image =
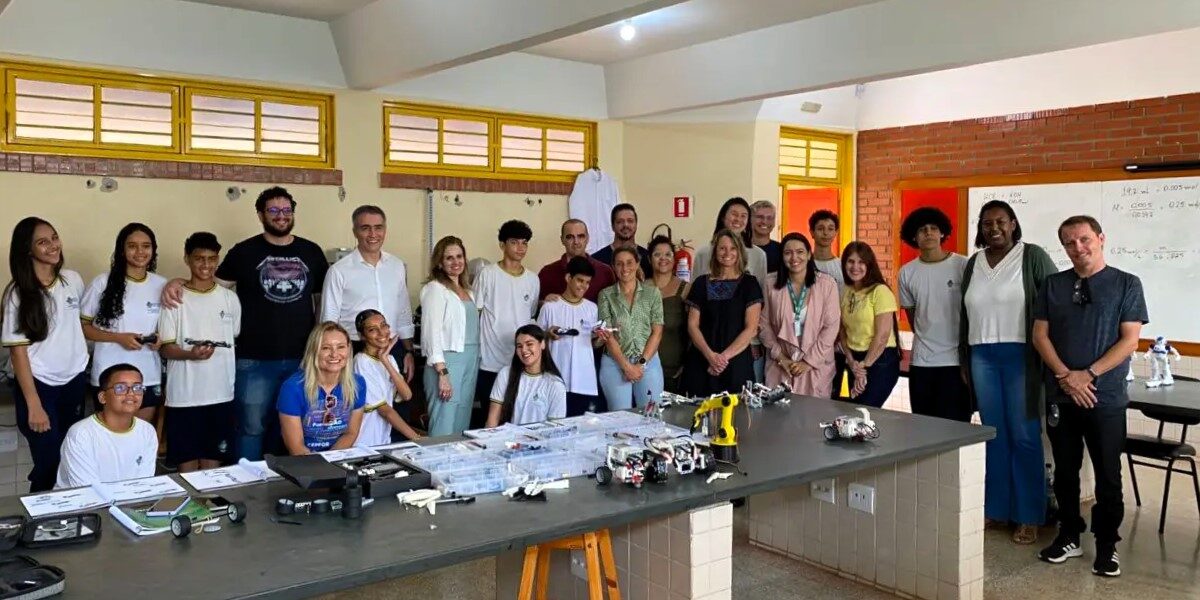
[321,405]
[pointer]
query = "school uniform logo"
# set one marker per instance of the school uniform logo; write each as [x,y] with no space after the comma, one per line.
[72,302]
[226,317]
[153,308]
[139,460]
[283,278]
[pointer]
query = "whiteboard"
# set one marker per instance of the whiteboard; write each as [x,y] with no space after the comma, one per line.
[1152,228]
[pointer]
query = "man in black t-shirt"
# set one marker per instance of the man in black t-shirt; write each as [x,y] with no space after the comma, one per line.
[624,225]
[277,277]
[1087,321]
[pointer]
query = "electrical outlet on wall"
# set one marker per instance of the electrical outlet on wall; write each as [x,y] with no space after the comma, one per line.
[824,490]
[862,497]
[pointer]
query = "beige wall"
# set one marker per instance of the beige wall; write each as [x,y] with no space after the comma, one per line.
[88,219]
[709,161]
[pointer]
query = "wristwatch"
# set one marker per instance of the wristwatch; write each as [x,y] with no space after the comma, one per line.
[1093,374]
[638,360]
[442,370]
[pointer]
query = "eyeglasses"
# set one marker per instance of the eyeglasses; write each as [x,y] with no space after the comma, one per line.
[1083,292]
[122,389]
[276,212]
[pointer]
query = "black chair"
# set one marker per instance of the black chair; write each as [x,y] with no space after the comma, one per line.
[1165,450]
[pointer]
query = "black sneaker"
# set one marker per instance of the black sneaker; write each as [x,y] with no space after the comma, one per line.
[1061,549]
[1107,563]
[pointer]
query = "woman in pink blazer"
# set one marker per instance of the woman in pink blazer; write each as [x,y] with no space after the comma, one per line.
[799,324]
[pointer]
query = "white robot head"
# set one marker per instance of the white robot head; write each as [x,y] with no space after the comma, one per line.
[1160,340]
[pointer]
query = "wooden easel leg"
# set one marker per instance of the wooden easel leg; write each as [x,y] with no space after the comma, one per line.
[543,573]
[595,583]
[609,565]
[527,571]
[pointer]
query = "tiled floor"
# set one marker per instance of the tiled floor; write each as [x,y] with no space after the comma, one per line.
[1158,567]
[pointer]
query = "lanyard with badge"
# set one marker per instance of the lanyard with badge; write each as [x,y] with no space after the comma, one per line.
[799,307]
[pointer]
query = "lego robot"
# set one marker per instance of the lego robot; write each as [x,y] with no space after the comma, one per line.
[629,464]
[1160,364]
[683,453]
[847,427]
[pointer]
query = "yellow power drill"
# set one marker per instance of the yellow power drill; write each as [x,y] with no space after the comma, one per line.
[724,440]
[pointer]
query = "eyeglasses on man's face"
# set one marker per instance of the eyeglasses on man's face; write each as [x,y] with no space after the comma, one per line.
[278,212]
[122,389]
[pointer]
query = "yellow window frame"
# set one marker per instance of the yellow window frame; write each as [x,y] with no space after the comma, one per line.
[15,143]
[258,98]
[441,115]
[844,182]
[180,90]
[495,120]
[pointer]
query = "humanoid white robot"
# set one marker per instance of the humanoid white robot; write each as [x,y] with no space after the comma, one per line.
[1129,375]
[1160,364]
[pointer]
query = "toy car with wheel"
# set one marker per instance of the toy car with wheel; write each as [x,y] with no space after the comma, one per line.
[625,463]
[684,454]
[847,427]
[182,525]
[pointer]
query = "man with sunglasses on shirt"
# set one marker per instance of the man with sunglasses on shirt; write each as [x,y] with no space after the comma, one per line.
[278,278]
[1087,321]
[111,445]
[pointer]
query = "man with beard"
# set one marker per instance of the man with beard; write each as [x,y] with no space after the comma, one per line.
[624,225]
[278,277]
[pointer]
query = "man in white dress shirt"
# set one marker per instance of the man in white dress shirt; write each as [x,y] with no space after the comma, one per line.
[370,278]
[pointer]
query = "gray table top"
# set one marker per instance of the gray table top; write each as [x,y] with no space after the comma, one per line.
[262,559]
[1181,399]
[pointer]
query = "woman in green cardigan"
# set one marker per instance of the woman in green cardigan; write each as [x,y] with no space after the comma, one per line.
[999,286]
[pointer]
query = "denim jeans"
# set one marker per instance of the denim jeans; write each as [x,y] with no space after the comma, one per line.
[1015,480]
[64,406]
[621,393]
[255,392]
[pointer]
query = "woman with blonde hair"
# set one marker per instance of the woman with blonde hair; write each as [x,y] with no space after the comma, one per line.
[449,339]
[321,405]
[725,306]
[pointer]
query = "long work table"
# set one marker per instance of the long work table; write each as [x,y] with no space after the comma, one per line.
[781,447]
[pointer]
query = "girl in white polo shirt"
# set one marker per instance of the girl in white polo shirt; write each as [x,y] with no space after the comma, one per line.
[379,369]
[120,312]
[530,389]
[43,331]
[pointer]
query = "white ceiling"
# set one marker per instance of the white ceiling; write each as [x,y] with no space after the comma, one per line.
[321,10]
[685,24]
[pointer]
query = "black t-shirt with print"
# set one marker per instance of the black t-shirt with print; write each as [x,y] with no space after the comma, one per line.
[275,285]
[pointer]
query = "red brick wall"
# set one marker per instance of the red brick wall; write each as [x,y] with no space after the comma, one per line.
[1083,137]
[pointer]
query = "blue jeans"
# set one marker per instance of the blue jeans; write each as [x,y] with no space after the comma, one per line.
[621,393]
[64,406]
[1015,488]
[254,394]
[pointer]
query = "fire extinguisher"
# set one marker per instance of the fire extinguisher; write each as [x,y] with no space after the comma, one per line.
[683,258]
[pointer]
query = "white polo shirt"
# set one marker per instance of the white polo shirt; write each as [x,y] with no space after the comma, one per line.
[354,285]
[141,306]
[539,397]
[505,302]
[57,359]
[572,354]
[93,453]
[375,430]
[215,315]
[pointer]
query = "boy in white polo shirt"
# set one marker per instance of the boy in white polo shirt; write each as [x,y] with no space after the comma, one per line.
[568,323]
[197,340]
[111,445]
[507,296]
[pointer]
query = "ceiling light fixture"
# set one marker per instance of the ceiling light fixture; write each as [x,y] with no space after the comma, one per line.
[628,31]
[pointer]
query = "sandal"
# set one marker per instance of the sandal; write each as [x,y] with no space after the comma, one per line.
[1025,535]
